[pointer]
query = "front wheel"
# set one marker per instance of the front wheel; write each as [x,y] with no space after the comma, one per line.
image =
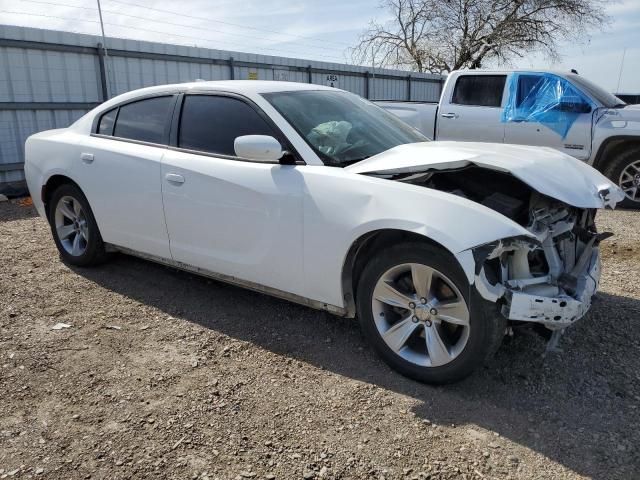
[624,170]
[414,308]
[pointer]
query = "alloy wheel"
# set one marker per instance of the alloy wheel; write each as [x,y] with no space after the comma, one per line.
[71,226]
[630,181]
[420,314]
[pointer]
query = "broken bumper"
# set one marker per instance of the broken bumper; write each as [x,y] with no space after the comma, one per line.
[560,311]
[554,312]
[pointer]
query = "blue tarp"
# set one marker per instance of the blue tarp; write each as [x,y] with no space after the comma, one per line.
[547,99]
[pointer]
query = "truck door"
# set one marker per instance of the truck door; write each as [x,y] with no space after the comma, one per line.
[547,110]
[471,109]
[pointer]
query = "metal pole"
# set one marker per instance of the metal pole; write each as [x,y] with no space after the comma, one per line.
[367,76]
[104,42]
[371,88]
[103,76]
[620,74]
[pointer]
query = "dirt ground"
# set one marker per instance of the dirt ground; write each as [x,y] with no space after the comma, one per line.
[163,374]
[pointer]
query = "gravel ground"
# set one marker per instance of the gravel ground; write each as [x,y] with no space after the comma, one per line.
[163,374]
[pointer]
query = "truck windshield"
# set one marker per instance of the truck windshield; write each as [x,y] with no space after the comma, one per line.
[607,99]
[340,127]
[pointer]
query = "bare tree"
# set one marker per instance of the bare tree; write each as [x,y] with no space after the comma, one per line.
[442,35]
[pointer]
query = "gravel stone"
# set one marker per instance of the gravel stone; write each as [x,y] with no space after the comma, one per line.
[268,386]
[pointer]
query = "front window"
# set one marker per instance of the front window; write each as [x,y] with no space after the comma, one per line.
[342,128]
[212,123]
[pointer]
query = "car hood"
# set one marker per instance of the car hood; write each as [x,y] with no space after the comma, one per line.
[546,170]
[629,112]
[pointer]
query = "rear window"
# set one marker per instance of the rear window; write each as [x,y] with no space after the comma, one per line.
[479,90]
[145,120]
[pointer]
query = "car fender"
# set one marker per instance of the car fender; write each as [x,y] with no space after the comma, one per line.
[47,154]
[341,208]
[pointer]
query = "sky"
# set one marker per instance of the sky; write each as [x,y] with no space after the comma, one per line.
[319,30]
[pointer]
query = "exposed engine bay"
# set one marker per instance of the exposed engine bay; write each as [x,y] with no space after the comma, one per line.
[547,279]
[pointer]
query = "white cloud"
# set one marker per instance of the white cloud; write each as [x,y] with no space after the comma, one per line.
[624,7]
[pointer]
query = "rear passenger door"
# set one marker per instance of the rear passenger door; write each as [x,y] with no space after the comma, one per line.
[472,109]
[119,171]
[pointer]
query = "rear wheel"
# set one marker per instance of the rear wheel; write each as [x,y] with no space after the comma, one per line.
[414,308]
[74,228]
[624,169]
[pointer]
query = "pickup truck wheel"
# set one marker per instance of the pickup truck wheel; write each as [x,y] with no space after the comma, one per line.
[413,306]
[625,171]
[74,228]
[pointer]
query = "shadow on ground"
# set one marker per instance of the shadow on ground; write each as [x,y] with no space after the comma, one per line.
[578,408]
[20,209]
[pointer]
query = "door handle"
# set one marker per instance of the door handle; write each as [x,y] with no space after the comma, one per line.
[87,157]
[174,178]
[449,115]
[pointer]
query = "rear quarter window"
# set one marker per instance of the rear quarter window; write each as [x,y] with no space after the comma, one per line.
[479,90]
[107,121]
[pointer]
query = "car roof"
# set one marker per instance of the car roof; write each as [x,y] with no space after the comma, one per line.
[246,87]
[515,70]
[253,86]
[243,87]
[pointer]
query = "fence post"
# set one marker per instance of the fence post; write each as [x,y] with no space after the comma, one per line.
[309,74]
[232,69]
[103,74]
[367,76]
[409,88]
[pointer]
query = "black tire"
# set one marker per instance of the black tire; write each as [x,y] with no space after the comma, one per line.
[614,170]
[94,252]
[486,330]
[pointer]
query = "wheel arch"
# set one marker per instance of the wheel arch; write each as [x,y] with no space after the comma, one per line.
[611,147]
[366,245]
[54,182]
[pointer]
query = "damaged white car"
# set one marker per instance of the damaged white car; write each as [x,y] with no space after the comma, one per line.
[317,196]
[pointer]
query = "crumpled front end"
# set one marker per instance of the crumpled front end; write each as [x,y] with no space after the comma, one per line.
[548,278]
[549,273]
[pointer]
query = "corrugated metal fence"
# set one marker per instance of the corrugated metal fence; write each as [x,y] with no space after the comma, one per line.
[48,79]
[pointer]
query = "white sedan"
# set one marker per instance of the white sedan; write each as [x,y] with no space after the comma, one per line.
[317,196]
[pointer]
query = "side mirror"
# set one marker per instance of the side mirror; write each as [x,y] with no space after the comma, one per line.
[574,107]
[261,148]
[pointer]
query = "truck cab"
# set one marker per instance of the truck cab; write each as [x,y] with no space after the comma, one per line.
[560,110]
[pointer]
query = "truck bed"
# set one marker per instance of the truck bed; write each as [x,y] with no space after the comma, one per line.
[420,115]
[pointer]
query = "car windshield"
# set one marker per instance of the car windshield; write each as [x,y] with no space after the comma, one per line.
[342,128]
[607,99]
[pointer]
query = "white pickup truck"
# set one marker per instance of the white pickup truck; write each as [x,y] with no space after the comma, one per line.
[560,110]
